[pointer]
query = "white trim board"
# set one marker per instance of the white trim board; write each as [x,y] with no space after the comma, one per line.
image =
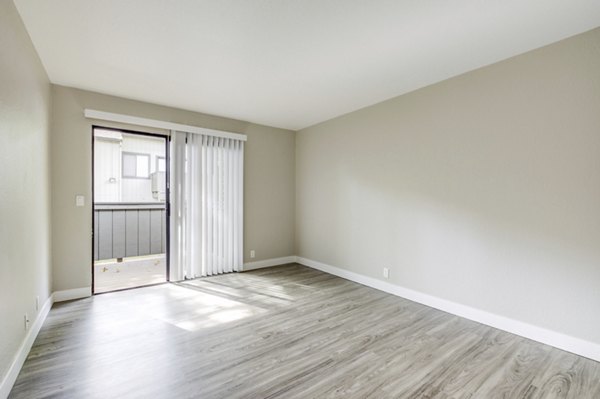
[21,355]
[259,264]
[558,340]
[138,121]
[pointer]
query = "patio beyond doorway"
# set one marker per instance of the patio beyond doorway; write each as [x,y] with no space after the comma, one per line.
[130,218]
[112,275]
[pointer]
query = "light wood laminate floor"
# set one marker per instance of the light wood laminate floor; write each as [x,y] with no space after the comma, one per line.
[285,332]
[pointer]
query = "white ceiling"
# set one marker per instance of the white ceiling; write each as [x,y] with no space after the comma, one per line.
[285,63]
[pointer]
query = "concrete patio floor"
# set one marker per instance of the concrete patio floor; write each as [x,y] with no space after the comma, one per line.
[110,275]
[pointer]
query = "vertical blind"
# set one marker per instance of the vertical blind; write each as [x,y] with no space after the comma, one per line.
[207,175]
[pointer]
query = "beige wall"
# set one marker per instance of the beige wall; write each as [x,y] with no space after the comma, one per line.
[24,183]
[269,179]
[483,189]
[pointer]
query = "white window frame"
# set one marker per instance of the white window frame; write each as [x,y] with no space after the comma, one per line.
[136,155]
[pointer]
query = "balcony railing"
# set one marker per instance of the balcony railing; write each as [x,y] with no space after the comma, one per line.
[129,229]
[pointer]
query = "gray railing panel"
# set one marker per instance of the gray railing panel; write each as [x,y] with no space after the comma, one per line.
[155,232]
[131,233]
[163,233]
[123,230]
[118,250]
[144,232]
[105,235]
[96,236]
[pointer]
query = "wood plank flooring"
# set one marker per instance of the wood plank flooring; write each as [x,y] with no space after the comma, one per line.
[285,332]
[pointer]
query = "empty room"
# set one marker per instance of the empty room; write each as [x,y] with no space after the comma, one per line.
[300,199]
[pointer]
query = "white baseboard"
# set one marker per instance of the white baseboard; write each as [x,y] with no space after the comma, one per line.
[268,263]
[75,293]
[21,355]
[558,340]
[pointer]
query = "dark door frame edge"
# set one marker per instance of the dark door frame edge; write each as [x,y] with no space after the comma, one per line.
[167,139]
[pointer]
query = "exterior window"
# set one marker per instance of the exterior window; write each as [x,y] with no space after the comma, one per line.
[136,166]
[161,165]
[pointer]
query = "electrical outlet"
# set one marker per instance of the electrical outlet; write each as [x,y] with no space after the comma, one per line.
[26,318]
[386,272]
[79,200]
[252,254]
[37,302]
